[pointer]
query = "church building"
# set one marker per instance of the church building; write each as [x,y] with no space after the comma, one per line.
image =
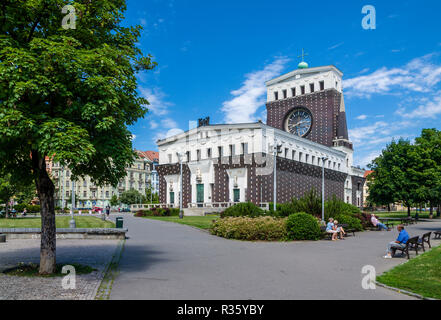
[306,127]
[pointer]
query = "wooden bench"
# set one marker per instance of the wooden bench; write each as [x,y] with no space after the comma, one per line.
[437,234]
[328,235]
[412,243]
[425,239]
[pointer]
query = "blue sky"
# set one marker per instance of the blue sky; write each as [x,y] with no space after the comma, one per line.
[214,57]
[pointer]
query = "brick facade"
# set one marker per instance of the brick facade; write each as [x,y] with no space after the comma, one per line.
[324,107]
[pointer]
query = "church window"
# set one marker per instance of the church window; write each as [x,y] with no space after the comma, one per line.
[209,153]
[322,85]
[232,151]
[302,89]
[300,156]
[286,152]
[198,155]
[285,94]
[244,148]
[336,84]
[306,158]
[276,95]
[311,87]
[188,156]
[313,160]
[220,151]
[293,154]
[347,163]
[169,158]
[293,92]
[339,166]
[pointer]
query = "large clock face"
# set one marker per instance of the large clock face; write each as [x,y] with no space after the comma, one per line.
[299,122]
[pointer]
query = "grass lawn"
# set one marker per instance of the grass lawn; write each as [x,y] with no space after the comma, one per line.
[420,275]
[31,270]
[61,222]
[198,222]
[403,214]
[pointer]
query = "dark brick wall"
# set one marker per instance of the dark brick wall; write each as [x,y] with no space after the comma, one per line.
[355,182]
[294,179]
[324,107]
[170,169]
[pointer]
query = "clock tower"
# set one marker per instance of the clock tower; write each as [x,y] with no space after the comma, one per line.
[309,103]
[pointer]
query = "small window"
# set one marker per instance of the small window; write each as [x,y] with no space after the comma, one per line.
[302,89]
[209,153]
[322,85]
[220,151]
[285,94]
[232,150]
[276,95]
[300,156]
[306,158]
[84,194]
[293,92]
[244,148]
[188,156]
[198,154]
[311,87]
[293,154]
[336,85]
[286,152]
[169,158]
[313,160]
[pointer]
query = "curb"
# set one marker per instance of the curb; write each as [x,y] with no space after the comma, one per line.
[403,291]
[104,288]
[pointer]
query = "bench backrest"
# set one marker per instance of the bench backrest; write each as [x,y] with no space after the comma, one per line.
[426,235]
[413,240]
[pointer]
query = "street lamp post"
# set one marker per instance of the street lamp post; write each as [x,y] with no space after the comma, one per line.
[276,150]
[323,188]
[72,223]
[181,212]
[63,192]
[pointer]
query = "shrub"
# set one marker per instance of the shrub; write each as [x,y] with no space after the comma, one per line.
[303,226]
[33,208]
[246,209]
[20,207]
[251,229]
[140,213]
[335,207]
[352,222]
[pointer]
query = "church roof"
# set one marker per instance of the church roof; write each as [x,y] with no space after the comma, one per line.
[303,71]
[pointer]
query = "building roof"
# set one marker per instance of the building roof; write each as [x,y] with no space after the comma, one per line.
[150,155]
[303,71]
[367,172]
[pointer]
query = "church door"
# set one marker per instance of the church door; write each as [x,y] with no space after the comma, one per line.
[236,193]
[200,194]
[172,198]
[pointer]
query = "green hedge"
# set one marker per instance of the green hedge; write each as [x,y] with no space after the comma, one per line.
[246,209]
[303,226]
[158,212]
[251,229]
[352,222]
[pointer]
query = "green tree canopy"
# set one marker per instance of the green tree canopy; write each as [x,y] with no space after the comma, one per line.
[132,196]
[68,95]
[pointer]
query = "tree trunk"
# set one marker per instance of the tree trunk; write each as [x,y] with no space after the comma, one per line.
[46,190]
[431,211]
[388,207]
[7,209]
[438,211]
[408,211]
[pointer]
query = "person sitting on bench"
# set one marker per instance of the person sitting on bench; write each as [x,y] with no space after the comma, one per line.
[339,230]
[376,223]
[330,228]
[401,241]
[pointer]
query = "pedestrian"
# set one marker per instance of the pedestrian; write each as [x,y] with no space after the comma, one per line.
[24,212]
[107,211]
[400,243]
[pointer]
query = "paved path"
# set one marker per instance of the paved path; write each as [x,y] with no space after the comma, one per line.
[163,260]
[94,253]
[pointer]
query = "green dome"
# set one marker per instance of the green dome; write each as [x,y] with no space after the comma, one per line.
[303,65]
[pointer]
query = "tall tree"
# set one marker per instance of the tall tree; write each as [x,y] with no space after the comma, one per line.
[429,149]
[394,178]
[132,196]
[68,94]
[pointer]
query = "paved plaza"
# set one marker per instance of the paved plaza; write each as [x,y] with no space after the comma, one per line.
[163,260]
[94,253]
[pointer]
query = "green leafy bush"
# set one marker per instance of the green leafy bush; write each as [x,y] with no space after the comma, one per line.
[158,212]
[33,208]
[335,207]
[20,207]
[303,226]
[251,229]
[352,222]
[140,213]
[246,209]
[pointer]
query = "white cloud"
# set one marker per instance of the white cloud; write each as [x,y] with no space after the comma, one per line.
[158,105]
[358,135]
[430,109]
[247,99]
[419,75]
[336,46]
[153,124]
[362,117]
